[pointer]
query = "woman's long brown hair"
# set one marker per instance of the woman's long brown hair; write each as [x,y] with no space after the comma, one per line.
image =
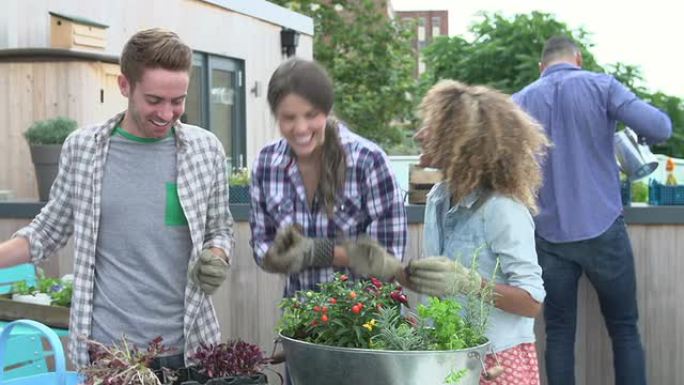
[310,81]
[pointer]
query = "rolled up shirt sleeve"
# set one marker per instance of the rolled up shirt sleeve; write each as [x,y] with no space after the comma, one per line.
[509,230]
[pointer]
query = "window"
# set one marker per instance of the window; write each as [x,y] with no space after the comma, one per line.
[216,101]
[421,29]
[436,26]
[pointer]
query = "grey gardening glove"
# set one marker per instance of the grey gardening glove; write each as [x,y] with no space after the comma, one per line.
[209,271]
[440,276]
[368,258]
[292,252]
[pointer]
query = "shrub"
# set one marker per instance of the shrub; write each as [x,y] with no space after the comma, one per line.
[50,131]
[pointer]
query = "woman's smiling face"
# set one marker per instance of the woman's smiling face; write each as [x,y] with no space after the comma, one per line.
[301,124]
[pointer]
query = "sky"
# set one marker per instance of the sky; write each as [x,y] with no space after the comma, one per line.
[646,33]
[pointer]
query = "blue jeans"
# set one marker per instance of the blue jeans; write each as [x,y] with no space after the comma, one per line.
[608,262]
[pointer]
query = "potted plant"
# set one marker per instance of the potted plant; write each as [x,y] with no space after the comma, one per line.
[45,138]
[367,325]
[23,292]
[43,299]
[235,362]
[238,186]
[47,291]
[125,364]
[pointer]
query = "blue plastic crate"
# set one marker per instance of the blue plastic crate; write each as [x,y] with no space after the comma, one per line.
[626,193]
[663,195]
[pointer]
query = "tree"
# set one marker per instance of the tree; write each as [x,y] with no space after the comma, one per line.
[369,58]
[504,54]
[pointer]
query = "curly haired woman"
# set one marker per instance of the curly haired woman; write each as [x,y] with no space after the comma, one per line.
[488,150]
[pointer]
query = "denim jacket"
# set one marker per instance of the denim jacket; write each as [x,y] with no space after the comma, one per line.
[499,227]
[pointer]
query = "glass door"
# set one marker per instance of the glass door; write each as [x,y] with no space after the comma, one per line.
[216,102]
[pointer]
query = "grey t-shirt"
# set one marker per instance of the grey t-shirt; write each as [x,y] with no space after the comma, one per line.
[143,245]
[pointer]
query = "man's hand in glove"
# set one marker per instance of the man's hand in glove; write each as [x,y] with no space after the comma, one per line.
[368,258]
[440,276]
[209,271]
[292,252]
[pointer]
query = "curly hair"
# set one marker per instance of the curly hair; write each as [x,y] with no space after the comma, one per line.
[481,139]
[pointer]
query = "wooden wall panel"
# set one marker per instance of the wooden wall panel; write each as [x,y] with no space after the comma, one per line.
[41,90]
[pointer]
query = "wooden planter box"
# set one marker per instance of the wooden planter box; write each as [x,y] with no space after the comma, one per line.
[421,181]
[55,316]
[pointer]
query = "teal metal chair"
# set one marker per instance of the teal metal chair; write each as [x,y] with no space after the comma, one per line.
[24,272]
[60,376]
[24,353]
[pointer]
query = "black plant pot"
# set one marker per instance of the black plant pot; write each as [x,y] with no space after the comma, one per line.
[190,376]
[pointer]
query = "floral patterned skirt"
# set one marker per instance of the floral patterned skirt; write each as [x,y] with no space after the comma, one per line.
[519,363]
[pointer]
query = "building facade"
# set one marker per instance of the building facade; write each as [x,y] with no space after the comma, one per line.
[429,25]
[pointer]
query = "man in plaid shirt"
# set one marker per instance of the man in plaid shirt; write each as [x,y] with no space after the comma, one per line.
[145,198]
[323,198]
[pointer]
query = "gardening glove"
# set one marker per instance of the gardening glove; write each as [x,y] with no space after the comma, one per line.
[440,276]
[292,252]
[209,271]
[368,258]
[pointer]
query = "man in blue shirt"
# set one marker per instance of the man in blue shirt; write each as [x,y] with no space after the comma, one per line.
[580,227]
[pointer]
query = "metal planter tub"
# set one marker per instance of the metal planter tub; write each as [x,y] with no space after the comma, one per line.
[314,364]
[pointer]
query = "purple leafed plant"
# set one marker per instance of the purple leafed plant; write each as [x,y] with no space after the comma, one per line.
[232,358]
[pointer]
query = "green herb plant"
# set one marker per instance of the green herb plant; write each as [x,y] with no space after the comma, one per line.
[59,291]
[239,177]
[396,335]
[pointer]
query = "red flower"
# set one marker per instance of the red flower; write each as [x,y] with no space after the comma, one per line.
[376,282]
[316,308]
[356,309]
[344,277]
[324,318]
[332,300]
[399,297]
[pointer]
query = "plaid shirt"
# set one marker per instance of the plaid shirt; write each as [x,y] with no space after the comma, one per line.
[74,208]
[371,203]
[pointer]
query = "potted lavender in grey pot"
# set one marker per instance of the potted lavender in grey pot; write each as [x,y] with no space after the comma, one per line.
[45,139]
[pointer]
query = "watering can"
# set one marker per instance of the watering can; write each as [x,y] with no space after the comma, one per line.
[635,159]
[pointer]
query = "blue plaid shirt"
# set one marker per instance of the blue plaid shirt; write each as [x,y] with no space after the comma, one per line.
[371,203]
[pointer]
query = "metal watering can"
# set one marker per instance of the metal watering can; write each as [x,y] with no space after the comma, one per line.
[634,159]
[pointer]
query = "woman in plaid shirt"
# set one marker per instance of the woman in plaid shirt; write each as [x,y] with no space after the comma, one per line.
[323,198]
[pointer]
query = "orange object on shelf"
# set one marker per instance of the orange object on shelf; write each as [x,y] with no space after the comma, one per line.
[669,168]
[669,165]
